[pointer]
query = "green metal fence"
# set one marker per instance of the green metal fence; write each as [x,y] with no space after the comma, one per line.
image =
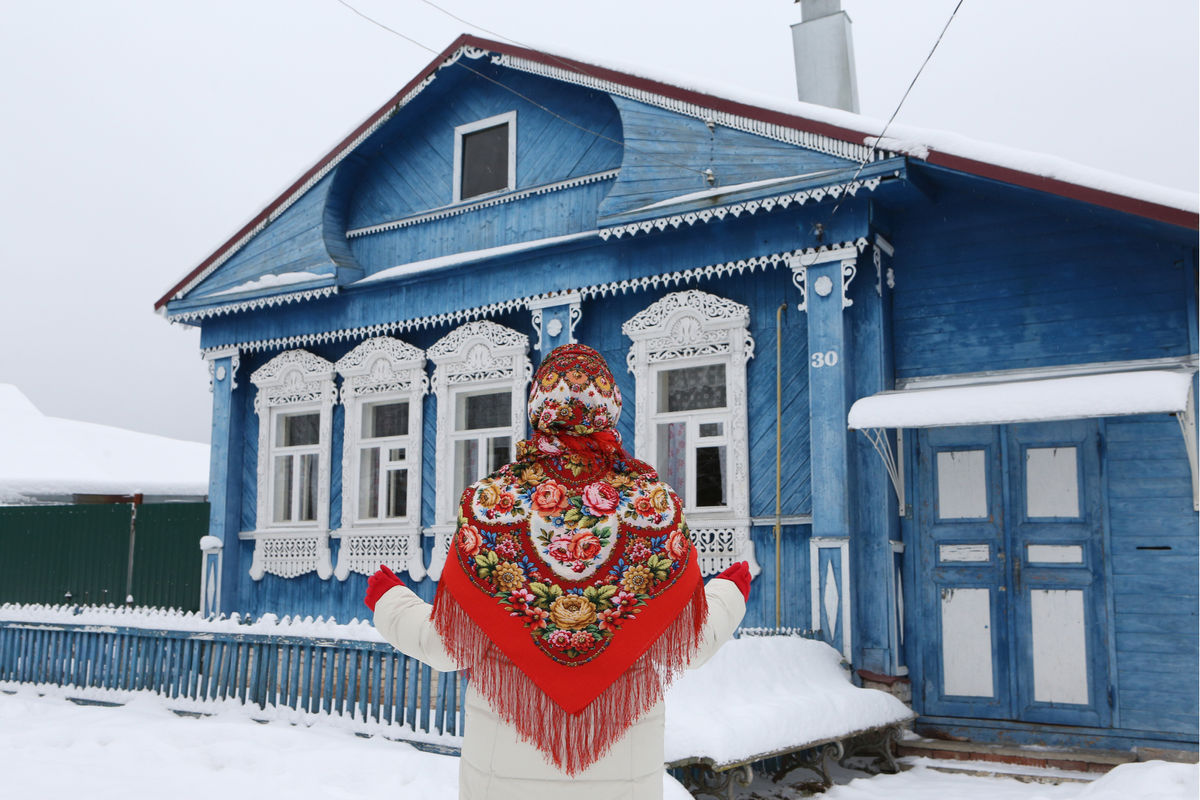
[80,554]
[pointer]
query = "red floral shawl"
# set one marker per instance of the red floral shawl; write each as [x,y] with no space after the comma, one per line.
[575,562]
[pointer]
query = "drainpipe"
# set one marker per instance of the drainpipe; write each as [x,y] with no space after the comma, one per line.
[133,509]
[779,464]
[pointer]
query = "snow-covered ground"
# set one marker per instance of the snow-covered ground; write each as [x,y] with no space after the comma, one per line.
[52,748]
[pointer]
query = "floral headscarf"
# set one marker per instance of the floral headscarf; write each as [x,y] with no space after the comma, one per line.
[573,593]
[574,406]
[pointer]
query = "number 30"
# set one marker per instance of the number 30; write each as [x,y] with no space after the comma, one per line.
[827,359]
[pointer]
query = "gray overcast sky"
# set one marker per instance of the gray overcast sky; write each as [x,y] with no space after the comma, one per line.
[138,134]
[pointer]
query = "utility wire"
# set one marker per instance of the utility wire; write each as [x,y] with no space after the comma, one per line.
[524,97]
[892,118]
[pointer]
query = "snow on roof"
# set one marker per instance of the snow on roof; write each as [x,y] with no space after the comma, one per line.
[763,694]
[1012,165]
[918,142]
[47,456]
[471,256]
[1076,397]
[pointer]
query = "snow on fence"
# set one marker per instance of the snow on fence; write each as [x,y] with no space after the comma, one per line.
[316,667]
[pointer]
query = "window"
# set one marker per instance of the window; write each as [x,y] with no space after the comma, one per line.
[297,458]
[294,404]
[383,462]
[480,382]
[485,156]
[691,421]
[383,383]
[482,435]
[688,358]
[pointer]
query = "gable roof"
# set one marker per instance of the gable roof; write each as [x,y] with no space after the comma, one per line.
[1043,173]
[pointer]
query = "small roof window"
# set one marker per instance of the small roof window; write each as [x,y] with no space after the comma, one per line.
[485,157]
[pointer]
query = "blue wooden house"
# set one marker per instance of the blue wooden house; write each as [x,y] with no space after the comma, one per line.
[943,404]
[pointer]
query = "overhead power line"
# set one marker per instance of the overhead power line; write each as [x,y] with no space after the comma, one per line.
[892,118]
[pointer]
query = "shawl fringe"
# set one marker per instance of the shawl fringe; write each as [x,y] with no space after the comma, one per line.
[573,742]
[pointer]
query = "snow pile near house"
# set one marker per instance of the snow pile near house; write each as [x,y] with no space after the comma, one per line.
[762,694]
[1157,779]
[47,456]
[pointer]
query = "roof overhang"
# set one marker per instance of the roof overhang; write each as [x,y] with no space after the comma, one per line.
[1110,394]
[649,89]
[1001,403]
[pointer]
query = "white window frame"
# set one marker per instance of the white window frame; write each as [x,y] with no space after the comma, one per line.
[508,118]
[293,382]
[477,357]
[687,329]
[378,371]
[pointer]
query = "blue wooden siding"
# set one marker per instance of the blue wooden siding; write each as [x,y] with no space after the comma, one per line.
[293,242]
[1154,573]
[981,285]
[537,217]
[665,154]
[407,166]
[558,269]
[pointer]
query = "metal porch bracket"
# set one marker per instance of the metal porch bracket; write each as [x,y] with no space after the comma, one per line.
[895,466]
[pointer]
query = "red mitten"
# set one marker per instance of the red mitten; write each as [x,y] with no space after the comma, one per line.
[378,585]
[739,573]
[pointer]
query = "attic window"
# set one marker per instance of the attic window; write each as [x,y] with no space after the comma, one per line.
[485,156]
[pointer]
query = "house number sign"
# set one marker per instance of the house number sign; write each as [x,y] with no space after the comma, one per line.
[826,359]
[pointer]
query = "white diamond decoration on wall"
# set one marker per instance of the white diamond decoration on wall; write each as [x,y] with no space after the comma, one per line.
[830,599]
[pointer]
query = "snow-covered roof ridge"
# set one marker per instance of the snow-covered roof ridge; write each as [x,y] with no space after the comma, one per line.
[1042,172]
[51,457]
[912,140]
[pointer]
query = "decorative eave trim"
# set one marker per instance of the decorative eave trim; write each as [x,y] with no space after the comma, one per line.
[733,114]
[712,271]
[454,211]
[452,54]
[256,303]
[781,133]
[748,207]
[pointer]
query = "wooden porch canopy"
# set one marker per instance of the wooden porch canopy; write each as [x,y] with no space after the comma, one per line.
[1002,402]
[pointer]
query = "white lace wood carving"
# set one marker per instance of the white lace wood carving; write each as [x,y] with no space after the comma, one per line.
[720,548]
[296,380]
[290,555]
[380,369]
[364,552]
[694,327]
[477,355]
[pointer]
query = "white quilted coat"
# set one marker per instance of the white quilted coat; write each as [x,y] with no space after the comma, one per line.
[496,765]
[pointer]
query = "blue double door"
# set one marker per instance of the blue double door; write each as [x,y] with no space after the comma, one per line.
[1012,621]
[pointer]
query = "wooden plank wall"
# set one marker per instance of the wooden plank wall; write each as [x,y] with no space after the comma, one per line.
[1154,575]
[666,153]
[983,286]
[407,166]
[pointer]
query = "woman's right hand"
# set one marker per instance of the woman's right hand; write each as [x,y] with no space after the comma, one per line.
[379,584]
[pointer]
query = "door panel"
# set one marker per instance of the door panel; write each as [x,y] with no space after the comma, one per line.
[961,512]
[1011,573]
[1057,573]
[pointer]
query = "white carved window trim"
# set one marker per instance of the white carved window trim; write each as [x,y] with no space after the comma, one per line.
[475,357]
[508,118]
[295,381]
[694,328]
[382,369]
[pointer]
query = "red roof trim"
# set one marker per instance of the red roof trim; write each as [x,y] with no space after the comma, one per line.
[1099,197]
[1142,208]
